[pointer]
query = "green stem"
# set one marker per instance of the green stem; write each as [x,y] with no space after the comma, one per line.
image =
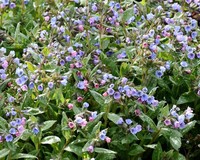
[106,114]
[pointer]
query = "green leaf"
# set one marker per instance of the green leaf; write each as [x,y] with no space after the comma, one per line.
[113,117]
[98,97]
[48,124]
[3,85]
[157,153]
[102,156]
[152,146]
[165,111]
[30,66]
[135,150]
[188,127]
[166,56]
[143,2]
[127,14]
[105,43]
[58,96]
[96,130]
[4,152]
[50,140]
[187,98]
[3,123]
[103,150]
[91,124]
[75,149]
[175,142]
[23,155]
[178,156]
[147,119]
[129,139]
[46,51]
[33,111]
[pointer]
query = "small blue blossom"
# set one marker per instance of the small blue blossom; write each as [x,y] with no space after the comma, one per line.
[128,121]
[35,130]
[9,138]
[85,105]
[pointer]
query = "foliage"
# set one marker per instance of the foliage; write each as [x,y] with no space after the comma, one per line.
[99,79]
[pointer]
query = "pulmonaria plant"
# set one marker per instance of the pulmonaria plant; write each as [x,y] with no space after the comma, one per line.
[95,80]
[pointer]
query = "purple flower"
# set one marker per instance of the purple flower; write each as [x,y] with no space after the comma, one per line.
[176,124]
[12,5]
[12,131]
[150,16]
[120,121]
[81,85]
[110,91]
[128,121]
[136,129]
[40,87]
[176,6]
[18,121]
[167,122]
[191,56]
[102,136]
[3,76]
[35,130]
[184,64]
[63,82]
[13,123]
[9,138]
[85,105]
[150,100]
[11,99]
[31,85]
[90,149]
[50,85]
[117,95]
[159,73]
[62,62]
[194,35]
[144,97]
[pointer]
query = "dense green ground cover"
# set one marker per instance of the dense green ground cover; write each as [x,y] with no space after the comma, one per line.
[88,79]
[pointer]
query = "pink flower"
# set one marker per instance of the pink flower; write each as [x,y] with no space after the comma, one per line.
[70,106]
[90,149]
[71,125]
[79,99]
[81,28]
[73,53]
[4,64]
[137,112]
[108,139]
[24,87]
[105,94]
[84,123]
[72,66]
[46,18]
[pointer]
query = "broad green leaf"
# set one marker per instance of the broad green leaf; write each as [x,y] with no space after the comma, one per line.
[91,124]
[96,130]
[113,117]
[188,127]
[135,150]
[129,139]
[4,152]
[105,43]
[165,111]
[102,156]
[157,153]
[175,142]
[50,140]
[58,96]
[127,14]
[3,85]
[33,111]
[166,56]
[178,156]
[24,155]
[30,66]
[48,124]
[143,2]
[187,98]
[75,149]
[98,97]
[147,119]
[103,150]
[152,146]
[46,51]
[3,123]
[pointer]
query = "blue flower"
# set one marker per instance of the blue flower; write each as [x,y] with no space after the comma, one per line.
[81,85]
[12,131]
[191,55]
[159,73]
[40,87]
[9,138]
[110,91]
[31,85]
[150,16]
[85,105]
[50,85]
[120,121]
[35,130]
[184,64]
[117,95]
[128,121]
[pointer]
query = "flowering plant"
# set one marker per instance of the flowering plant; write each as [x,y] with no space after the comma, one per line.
[84,79]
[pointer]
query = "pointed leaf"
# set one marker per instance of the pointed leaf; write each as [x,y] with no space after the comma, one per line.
[4,152]
[50,140]
[48,124]
[98,97]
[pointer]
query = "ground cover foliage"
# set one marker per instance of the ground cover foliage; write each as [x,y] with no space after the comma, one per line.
[88,79]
